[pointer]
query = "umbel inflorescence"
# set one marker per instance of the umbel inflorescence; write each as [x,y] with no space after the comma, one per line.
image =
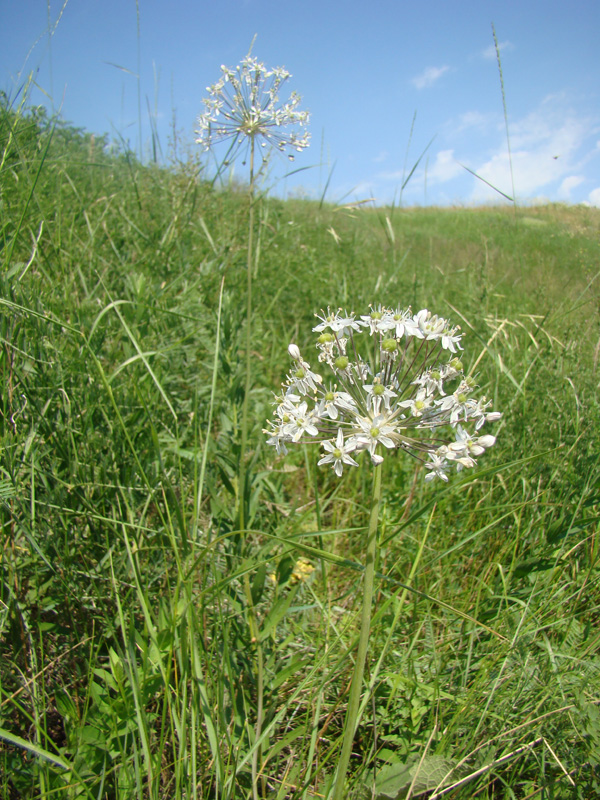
[243,107]
[396,383]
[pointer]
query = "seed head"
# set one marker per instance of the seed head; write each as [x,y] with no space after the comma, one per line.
[244,105]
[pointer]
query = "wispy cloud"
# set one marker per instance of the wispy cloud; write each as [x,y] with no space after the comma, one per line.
[429,77]
[443,169]
[381,156]
[549,146]
[472,120]
[490,52]
[569,183]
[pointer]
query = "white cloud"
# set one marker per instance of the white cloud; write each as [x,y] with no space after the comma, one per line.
[567,186]
[472,120]
[445,168]
[381,156]
[429,77]
[546,146]
[490,52]
[594,197]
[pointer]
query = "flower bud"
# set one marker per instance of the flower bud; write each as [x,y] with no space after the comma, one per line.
[294,351]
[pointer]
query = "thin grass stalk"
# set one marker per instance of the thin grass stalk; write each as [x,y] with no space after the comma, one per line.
[131,668]
[312,478]
[310,760]
[352,715]
[510,163]
[247,384]
[255,635]
[213,390]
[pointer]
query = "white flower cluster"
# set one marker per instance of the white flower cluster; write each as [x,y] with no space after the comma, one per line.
[244,105]
[412,385]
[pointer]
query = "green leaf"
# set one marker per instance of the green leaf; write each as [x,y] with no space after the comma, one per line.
[277,613]
[32,748]
[393,782]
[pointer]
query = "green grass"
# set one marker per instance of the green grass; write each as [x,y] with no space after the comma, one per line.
[139,627]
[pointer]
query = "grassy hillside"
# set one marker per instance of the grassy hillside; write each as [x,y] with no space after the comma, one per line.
[152,649]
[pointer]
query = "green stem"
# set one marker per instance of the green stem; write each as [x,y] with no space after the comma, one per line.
[255,637]
[352,718]
[244,443]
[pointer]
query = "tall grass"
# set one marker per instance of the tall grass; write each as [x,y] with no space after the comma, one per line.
[139,628]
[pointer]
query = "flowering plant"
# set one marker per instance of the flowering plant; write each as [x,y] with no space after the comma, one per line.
[244,106]
[393,393]
[396,384]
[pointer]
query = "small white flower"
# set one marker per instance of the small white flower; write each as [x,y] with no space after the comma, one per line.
[378,321]
[424,325]
[419,404]
[336,322]
[277,438]
[451,339]
[333,402]
[432,380]
[378,393]
[300,421]
[437,466]
[398,321]
[477,411]
[457,403]
[338,453]
[287,406]
[376,430]
[302,379]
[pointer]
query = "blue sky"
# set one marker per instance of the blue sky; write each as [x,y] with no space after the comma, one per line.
[369,73]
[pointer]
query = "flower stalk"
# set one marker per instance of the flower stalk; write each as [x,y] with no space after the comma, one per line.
[352,716]
[248,377]
[243,109]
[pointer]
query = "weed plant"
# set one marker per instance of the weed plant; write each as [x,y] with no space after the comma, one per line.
[130,643]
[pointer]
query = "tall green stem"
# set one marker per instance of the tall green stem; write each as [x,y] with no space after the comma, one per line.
[244,443]
[352,718]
